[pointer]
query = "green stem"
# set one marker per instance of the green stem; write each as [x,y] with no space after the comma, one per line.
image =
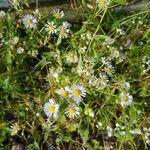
[98,27]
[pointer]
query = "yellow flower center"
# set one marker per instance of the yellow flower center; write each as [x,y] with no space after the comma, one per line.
[65,93]
[51,108]
[29,21]
[108,69]
[125,98]
[51,27]
[57,15]
[71,111]
[77,92]
[62,31]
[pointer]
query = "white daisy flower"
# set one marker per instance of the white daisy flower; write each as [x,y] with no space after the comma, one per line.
[63,31]
[64,92]
[126,99]
[58,14]
[77,92]
[126,85]
[29,21]
[51,108]
[109,69]
[20,50]
[50,27]
[102,3]
[72,111]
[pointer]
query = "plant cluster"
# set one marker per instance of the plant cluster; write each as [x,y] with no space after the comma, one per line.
[68,86]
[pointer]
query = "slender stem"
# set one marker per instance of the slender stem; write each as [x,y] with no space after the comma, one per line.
[98,27]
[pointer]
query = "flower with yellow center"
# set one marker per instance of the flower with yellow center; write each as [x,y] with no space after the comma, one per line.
[103,3]
[50,27]
[63,31]
[63,92]
[51,108]
[29,21]
[58,14]
[77,92]
[126,99]
[109,69]
[72,111]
